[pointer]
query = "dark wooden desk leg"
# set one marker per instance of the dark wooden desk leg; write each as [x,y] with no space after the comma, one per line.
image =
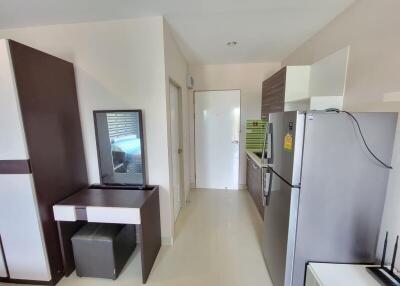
[66,230]
[150,231]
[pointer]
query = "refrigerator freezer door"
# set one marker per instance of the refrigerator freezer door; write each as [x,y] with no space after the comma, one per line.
[286,145]
[280,217]
[342,188]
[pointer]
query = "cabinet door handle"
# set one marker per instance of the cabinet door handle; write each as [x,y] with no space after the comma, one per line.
[270,145]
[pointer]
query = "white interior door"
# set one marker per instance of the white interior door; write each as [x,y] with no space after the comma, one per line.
[217,133]
[174,99]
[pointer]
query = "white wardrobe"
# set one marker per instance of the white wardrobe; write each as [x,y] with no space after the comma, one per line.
[23,252]
[36,170]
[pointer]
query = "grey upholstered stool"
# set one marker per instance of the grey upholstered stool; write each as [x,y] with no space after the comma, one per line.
[102,250]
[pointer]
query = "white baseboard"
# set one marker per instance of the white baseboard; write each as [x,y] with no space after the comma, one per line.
[167,241]
[187,199]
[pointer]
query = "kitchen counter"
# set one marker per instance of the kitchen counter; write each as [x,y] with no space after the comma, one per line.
[254,157]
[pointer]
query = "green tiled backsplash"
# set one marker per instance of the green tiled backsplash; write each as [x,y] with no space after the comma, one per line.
[255,130]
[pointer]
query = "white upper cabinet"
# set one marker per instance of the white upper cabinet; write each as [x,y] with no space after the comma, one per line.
[297,88]
[297,83]
[319,86]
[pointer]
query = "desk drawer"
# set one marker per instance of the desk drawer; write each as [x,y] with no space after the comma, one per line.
[64,213]
[113,215]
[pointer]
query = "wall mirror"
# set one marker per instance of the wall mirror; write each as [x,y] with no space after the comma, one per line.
[119,136]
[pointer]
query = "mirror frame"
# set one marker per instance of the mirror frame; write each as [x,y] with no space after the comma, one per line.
[139,111]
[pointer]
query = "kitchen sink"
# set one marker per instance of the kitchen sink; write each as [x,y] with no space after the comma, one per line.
[258,154]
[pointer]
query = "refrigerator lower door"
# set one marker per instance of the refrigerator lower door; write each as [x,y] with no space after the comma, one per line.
[343,189]
[280,217]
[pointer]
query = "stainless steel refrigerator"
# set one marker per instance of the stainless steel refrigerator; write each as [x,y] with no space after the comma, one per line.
[323,191]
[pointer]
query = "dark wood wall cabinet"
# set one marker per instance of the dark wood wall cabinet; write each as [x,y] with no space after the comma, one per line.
[273,94]
[254,174]
[41,158]
[286,90]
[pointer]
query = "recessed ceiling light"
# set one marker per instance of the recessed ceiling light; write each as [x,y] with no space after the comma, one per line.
[232,44]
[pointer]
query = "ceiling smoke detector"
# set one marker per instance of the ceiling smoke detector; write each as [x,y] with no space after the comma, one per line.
[232,44]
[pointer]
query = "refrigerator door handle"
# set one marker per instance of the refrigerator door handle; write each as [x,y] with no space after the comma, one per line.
[270,142]
[266,185]
[264,144]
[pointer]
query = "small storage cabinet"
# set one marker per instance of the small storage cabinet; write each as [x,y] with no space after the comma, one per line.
[254,174]
[286,90]
[101,250]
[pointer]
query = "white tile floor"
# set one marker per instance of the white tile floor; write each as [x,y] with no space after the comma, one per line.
[217,244]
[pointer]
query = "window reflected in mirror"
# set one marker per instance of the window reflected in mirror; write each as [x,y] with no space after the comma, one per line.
[120,147]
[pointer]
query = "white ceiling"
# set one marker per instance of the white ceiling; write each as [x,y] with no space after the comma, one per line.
[266,30]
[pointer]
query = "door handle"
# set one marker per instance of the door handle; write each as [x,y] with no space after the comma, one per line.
[264,144]
[235,141]
[266,185]
[180,151]
[270,146]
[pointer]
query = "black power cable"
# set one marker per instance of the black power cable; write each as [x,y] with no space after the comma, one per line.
[362,135]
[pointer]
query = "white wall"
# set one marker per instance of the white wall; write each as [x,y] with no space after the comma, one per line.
[246,77]
[119,65]
[371,29]
[176,69]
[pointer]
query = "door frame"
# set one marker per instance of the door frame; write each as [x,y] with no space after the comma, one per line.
[181,154]
[194,130]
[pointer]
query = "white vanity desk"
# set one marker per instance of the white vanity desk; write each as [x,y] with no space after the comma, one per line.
[327,274]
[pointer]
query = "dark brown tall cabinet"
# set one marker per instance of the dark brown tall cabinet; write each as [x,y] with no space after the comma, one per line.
[273,94]
[273,100]
[287,89]
[41,160]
